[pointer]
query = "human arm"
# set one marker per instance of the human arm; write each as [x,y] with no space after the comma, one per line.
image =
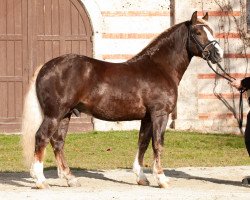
[239,84]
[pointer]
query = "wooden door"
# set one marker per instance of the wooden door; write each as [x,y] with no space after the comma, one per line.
[13,62]
[59,27]
[31,33]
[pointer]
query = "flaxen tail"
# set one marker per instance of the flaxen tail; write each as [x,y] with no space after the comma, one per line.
[31,121]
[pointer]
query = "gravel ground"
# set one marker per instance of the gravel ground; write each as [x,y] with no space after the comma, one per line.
[186,183]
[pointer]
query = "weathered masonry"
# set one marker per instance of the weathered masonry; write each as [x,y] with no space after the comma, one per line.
[34,31]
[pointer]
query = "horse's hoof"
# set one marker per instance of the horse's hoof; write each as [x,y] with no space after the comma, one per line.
[246,181]
[143,182]
[42,185]
[74,183]
[164,185]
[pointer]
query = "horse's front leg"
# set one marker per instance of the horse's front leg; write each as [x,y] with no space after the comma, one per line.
[145,135]
[159,126]
[57,142]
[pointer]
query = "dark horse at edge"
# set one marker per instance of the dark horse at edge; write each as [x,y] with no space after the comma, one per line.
[143,88]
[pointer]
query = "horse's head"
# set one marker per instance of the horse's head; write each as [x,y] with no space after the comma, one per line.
[201,41]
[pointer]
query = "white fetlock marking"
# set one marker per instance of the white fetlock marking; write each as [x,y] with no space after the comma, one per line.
[138,170]
[60,173]
[162,179]
[141,176]
[136,166]
[32,173]
[36,171]
[155,171]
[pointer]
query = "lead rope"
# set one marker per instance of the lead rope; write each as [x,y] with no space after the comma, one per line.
[205,55]
[229,78]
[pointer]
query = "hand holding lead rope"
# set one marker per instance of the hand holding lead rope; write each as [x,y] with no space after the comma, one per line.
[236,84]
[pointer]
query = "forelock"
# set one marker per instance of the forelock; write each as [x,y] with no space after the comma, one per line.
[202,21]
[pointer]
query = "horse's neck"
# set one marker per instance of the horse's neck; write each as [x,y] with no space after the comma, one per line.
[169,52]
[172,55]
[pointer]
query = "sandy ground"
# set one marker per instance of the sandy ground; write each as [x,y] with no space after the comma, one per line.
[186,183]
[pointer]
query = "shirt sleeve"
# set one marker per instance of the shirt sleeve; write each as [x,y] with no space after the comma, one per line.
[246,83]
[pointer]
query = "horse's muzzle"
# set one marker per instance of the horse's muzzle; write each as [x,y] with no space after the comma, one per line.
[214,56]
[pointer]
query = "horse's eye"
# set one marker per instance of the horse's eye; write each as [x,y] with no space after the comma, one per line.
[198,33]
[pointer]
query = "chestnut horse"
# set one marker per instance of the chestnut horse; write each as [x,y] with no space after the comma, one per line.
[143,88]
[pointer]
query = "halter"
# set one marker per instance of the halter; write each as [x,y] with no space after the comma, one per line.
[205,55]
[203,48]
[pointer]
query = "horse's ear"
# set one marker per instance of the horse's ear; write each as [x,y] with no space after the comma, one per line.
[194,17]
[205,16]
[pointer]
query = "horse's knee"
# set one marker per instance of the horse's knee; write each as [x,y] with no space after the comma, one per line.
[58,146]
[143,146]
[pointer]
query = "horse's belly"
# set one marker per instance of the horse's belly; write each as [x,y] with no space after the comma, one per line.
[119,110]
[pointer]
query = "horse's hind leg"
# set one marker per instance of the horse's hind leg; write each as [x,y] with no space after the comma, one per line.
[47,129]
[145,135]
[57,142]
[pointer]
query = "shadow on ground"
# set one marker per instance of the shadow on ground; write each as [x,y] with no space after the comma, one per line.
[184,175]
[21,179]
